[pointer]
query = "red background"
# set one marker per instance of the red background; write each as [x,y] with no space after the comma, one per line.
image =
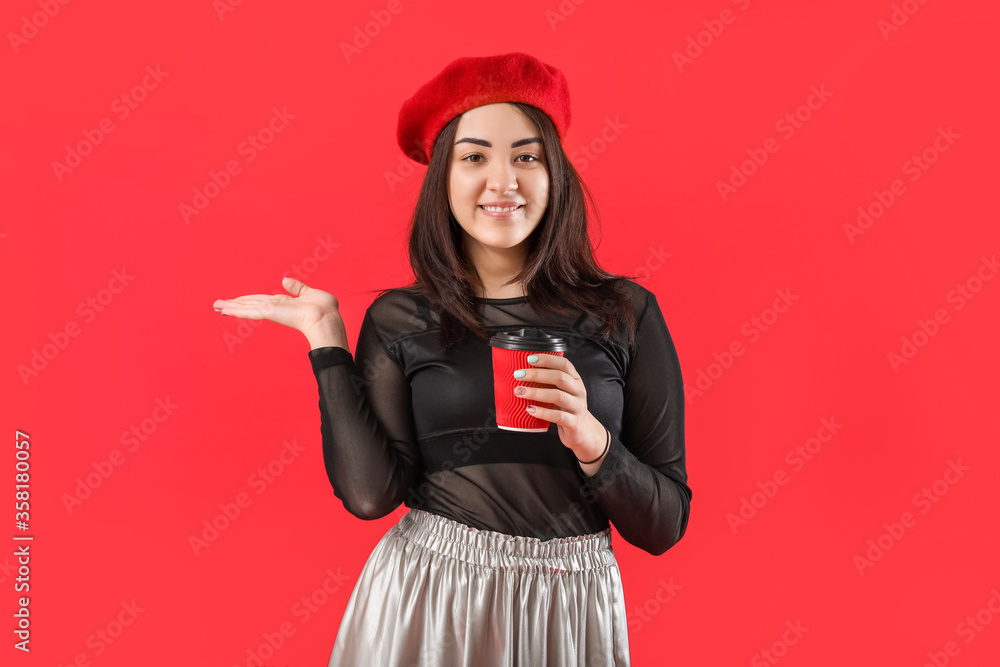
[680,132]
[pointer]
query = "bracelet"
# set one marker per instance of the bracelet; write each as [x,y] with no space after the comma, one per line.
[606,448]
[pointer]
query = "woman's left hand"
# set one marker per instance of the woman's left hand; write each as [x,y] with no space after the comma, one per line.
[578,429]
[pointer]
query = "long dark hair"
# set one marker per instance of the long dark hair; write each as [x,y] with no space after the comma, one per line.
[559,272]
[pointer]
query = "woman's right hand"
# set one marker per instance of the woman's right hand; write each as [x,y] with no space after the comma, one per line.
[313,312]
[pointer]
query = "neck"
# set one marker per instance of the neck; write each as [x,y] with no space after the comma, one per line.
[494,267]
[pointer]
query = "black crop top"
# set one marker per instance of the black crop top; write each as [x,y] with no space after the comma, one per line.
[404,422]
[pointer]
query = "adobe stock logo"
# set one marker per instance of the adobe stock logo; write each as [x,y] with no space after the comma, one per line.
[306,608]
[922,500]
[898,18]
[967,629]
[591,151]
[88,309]
[640,616]
[229,511]
[797,457]
[714,28]
[752,328]
[914,167]
[249,148]
[363,38]
[38,20]
[779,648]
[104,468]
[105,636]
[925,330]
[222,7]
[787,125]
[121,106]
[566,9]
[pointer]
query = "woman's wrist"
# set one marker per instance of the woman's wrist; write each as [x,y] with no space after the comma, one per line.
[591,457]
[318,341]
[327,332]
[604,450]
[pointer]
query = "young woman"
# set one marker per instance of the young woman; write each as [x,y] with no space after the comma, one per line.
[505,556]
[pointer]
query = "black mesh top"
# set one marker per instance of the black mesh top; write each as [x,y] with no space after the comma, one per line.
[404,422]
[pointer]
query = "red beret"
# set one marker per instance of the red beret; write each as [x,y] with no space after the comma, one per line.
[467,83]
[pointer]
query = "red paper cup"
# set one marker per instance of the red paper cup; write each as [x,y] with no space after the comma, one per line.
[510,353]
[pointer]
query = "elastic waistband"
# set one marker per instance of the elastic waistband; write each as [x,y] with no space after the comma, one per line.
[491,549]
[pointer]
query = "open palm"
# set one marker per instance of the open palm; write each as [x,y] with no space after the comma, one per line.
[304,308]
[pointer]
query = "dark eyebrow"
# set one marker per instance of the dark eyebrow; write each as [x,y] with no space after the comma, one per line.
[483,142]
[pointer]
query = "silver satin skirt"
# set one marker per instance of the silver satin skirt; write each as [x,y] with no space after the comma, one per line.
[436,592]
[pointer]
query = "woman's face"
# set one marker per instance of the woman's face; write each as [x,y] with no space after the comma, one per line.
[497,158]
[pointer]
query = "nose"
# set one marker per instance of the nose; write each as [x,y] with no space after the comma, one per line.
[501,177]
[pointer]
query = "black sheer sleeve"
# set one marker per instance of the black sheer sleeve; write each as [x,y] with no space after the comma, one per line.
[369,443]
[642,484]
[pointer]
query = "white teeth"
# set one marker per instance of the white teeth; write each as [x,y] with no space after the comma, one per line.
[497,209]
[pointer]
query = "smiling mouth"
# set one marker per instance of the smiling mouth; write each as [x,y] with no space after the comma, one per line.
[502,209]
